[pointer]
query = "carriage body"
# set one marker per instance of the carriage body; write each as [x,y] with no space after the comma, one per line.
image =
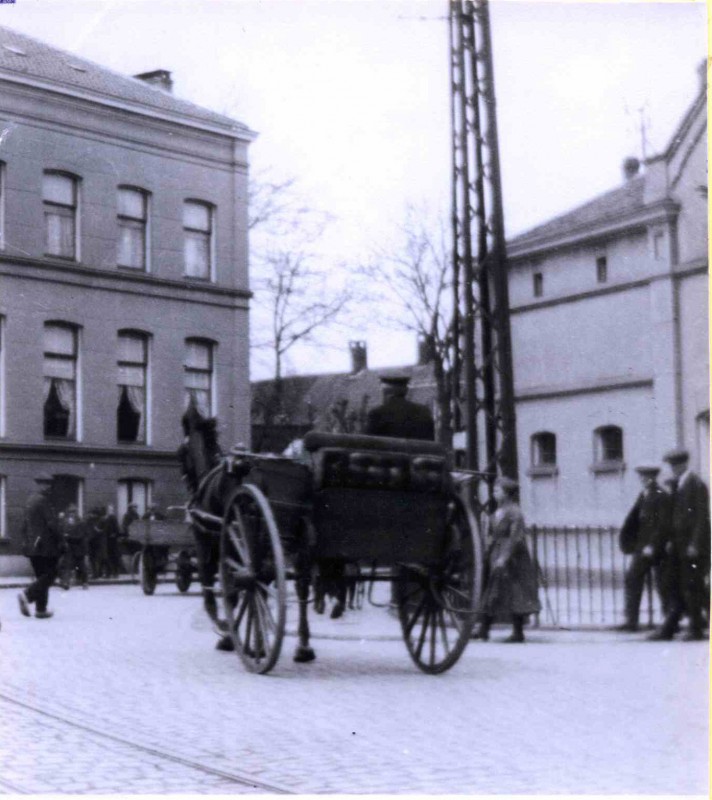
[392,504]
[167,545]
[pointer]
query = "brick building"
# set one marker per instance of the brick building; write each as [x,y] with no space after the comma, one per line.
[123,279]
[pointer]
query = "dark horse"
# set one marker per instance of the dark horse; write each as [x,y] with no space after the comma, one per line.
[210,485]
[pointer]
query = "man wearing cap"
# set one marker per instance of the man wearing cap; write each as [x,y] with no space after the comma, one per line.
[643,537]
[43,546]
[687,547]
[397,416]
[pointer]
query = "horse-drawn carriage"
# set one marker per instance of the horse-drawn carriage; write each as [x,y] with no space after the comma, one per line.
[391,504]
[167,545]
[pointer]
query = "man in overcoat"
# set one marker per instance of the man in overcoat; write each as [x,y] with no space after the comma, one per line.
[643,537]
[688,548]
[43,546]
[397,416]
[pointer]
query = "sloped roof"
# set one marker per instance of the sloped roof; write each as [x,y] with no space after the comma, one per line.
[27,57]
[611,205]
[318,393]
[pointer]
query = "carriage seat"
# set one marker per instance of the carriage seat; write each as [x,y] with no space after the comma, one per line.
[352,461]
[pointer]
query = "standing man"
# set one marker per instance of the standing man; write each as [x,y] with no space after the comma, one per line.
[397,416]
[43,546]
[643,537]
[75,536]
[688,548]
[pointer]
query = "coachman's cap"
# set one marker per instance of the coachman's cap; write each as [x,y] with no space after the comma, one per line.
[648,470]
[676,456]
[395,379]
[43,477]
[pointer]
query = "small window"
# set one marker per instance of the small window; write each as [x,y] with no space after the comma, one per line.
[659,246]
[133,491]
[198,239]
[199,375]
[132,368]
[60,381]
[608,447]
[60,211]
[543,452]
[2,205]
[3,507]
[602,269]
[132,220]
[538,284]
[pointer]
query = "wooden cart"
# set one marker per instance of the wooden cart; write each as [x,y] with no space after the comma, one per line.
[368,500]
[167,545]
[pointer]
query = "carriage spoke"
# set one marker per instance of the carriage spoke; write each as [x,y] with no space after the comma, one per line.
[267,616]
[268,589]
[423,633]
[238,542]
[238,570]
[241,613]
[433,634]
[443,631]
[416,614]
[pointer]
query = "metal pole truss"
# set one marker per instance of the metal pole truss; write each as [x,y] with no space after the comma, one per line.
[482,358]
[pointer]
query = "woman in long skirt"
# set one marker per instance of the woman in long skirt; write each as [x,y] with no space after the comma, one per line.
[511,590]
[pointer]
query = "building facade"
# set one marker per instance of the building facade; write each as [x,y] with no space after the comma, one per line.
[610,336]
[123,279]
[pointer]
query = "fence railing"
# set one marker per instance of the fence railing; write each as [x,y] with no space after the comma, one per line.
[580,573]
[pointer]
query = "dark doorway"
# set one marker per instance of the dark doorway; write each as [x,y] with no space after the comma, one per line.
[66,490]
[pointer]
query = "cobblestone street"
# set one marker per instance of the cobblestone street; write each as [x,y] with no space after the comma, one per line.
[125,693]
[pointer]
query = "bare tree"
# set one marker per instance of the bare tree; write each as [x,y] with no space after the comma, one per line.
[411,277]
[296,296]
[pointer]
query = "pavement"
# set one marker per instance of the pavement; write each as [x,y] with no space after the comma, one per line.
[122,693]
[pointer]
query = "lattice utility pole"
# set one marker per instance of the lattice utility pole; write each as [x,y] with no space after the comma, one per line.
[482,358]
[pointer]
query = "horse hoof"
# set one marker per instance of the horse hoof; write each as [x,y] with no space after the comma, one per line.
[303,655]
[319,606]
[337,611]
[225,645]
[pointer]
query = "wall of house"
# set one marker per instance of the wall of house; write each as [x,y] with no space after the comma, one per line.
[173,162]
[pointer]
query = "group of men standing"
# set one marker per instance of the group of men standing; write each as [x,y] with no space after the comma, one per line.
[667,533]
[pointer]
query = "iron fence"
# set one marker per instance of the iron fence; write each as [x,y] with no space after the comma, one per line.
[580,573]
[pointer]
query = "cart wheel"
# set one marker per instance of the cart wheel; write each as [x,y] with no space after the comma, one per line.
[436,605]
[147,572]
[253,579]
[360,595]
[184,572]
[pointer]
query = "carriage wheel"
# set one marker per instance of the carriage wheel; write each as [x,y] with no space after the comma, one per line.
[253,579]
[436,605]
[135,567]
[147,572]
[184,572]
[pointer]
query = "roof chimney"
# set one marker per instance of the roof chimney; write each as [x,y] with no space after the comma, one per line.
[425,349]
[160,78]
[359,357]
[631,167]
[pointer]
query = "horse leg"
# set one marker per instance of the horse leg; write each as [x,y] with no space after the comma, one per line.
[304,652]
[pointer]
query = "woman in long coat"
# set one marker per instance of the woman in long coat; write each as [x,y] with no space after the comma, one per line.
[511,590]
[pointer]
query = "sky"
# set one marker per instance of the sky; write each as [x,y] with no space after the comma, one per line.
[351,98]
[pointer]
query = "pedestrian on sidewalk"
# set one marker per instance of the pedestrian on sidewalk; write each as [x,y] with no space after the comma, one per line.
[643,536]
[511,590]
[111,528]
[97,543]
[43,545]
[687,549]
[75,535]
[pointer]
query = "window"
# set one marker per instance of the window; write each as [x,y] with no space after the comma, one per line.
[133,225]
[67,490]
[3,507]
[60,210]
[2,376]
[538,284]
[131,411]
[133,490]
[2,205]
[602,269]
[198,238]
[60,380]
[543,453]
[608,447]
[659,246]
[199,375]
